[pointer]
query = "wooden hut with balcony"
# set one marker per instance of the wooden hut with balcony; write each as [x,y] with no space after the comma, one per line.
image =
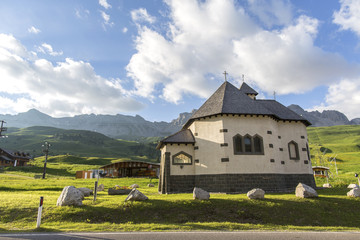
[14,159]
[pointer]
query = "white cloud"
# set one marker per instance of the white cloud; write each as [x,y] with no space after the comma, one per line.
[34,30]
[272,12]
[204,38]
[344,97]
[141,15]
[106,18]
[104,4]
[82,14]
[287,61]
[348,17]
[125,29]
[62,89]
[47,49]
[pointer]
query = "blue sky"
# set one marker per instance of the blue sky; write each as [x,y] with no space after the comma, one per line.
[160,58]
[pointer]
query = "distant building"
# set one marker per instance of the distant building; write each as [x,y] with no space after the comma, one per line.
[234,143]
[131,169]
[15,159]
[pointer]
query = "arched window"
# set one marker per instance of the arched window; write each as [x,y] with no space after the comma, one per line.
[237,140]
[182,158]
[247,144]
[308,151]
[293,150]
[258,144]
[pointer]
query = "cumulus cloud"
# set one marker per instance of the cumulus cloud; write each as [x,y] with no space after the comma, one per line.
[125,29]
[348,17]
[104,4]
[271,12]
[288,61]
[34,30]
[141,15]
[62,89]
[344,97]
[47,49]
[204,38]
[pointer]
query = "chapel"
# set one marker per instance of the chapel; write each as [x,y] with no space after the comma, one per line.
[234,143]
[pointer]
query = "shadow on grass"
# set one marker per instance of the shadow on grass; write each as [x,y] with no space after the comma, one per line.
[323,211]
[47,229]
[40,170]
[10,189]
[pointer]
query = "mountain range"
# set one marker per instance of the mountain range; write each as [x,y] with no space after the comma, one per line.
[324,119]
[135,127]
[115,126]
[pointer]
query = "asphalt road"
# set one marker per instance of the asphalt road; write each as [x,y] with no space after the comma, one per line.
[187,236]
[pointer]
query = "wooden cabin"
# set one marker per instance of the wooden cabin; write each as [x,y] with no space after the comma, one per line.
[320,171]
[14,159]
[131,169]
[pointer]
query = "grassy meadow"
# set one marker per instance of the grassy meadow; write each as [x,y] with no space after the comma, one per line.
[20,198]
[341,142]
[332,211]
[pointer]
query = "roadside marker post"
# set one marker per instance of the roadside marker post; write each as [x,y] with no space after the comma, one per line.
[95,190]
[39,212]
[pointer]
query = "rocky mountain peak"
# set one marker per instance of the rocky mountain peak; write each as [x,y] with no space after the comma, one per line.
[321,119]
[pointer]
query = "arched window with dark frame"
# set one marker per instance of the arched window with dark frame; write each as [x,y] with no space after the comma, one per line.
[182,158]
[258,144]
[308,151]
[293,150]
[247,144]
[237,140]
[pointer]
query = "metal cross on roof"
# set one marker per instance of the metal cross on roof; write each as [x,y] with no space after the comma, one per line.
[225,73]
[243,78]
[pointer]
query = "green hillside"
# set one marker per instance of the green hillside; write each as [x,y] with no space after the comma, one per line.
[341,142]
[75,142]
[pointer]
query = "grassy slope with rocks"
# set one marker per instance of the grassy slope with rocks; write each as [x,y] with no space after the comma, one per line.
[20,196]
[333,210]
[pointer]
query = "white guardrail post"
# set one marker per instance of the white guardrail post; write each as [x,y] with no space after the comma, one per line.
[39,212]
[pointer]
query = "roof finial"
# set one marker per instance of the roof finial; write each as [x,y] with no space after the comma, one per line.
[274,95]
[225,73]
[243,78]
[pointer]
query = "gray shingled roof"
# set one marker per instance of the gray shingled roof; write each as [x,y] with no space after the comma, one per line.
[247,89]
[228,99]
[282,112]
[183,136]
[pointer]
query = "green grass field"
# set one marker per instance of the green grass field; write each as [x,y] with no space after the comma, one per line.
[20,198]
[332,211]
[77,143]
[342,142]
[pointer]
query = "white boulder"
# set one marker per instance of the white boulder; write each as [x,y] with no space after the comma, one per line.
[200,194]
[86,191]
[256,193]
[355,192]
[136,195]
[135,186]
[353,186]
[327,185]
[70,196]
[151,185]
[305,191]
